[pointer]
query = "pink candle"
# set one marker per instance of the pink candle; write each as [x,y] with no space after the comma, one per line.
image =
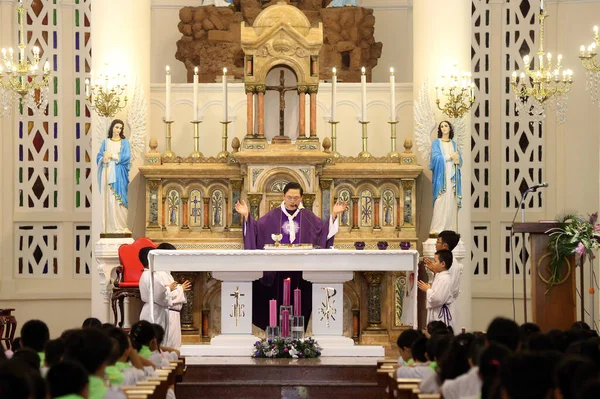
[286,291]
[285,323]
[297,302]
[273,312]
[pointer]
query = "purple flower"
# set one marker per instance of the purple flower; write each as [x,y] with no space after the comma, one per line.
[286,350]
[580,250]
[257,343]
[256,353]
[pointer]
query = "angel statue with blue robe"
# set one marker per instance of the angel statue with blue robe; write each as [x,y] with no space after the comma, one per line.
[114,162]
[289,223]
[445,163]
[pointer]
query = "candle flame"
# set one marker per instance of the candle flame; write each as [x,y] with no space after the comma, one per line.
[334,70]
[168,70]
[224,71]
[391,70]
[363,70]
[195,70]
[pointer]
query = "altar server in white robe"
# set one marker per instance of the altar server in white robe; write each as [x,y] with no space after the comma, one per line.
[440,300]
[162,295]
[173,335]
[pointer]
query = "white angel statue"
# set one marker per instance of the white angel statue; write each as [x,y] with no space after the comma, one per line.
[445,162]
[114,162]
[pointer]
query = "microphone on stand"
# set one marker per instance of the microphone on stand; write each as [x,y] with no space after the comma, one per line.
[536,186]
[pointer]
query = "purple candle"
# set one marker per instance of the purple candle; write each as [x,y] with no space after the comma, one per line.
[273,312]
[286,291]
[297,302]
[285,323]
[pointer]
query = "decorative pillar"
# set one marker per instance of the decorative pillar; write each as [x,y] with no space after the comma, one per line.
[398,213]
[249,110]
[408,204]
[302,111]
[376,219]
[355,213]
[129,56]
[313,111]
[164,212]
[153,187]
[325,185]
[374,297]
[206,213]
[261,111]
[187,311]
[205,319]
[255,200]
[436,49]
[308,200]
[355,324]
[184,216]
[236,194]
[227,213]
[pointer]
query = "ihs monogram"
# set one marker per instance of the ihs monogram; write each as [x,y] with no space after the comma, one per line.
[237,307]
[327,309]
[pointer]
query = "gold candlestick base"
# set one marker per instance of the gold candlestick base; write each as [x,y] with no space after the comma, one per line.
[168,153]
[393,153]
[364,153]
[224,153]
[334,152]
[196,154]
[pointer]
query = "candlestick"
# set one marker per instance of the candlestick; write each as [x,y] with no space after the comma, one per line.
[168,153]
[273,312]
[364,153]
[286,291]
[392,96]
[393,153]
[363,91]
[333,89]
[285,323]
[224,79]
[224,153]
[297,302]
[196,153]
[196,93]
[334,151]
[168,94]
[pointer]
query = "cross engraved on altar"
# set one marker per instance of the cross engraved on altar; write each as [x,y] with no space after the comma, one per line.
[327,310]
[282,89]
[237,307]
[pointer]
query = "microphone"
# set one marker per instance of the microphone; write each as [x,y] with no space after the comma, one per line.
[536,186]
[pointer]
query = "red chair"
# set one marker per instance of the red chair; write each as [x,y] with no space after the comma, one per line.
[8,326]
[128,275]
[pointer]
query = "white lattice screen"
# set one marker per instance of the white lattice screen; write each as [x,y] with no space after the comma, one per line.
[83,250]
[480,250]
[38,248]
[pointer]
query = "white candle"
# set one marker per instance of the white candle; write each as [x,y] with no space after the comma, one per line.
[168,94]
[363,90]
[541,5]
[392,96]
[195,93]
[225,95]
[333,88]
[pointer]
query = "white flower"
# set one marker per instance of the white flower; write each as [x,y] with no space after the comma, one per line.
[294,353]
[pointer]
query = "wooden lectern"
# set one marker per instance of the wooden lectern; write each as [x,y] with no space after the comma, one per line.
[557,308]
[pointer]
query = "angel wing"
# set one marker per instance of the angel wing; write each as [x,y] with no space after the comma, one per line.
[460,133]
[101,129]
[425,122]
[136,121]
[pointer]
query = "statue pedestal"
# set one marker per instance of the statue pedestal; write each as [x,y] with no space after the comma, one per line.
[281,140]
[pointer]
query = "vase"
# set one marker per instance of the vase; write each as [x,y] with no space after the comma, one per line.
[359,245]
[405,245]
[382,245]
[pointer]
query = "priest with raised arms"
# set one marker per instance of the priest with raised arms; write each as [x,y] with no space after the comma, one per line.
[296,225]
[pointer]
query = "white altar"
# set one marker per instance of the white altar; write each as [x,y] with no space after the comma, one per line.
[327,269]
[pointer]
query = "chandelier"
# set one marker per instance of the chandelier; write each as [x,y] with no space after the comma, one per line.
[460,93]
[104,94]
[21,78]
[592,67]
[545,87]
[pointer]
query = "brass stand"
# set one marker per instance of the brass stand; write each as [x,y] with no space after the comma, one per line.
[168,153]
[224,153]
[364,153]
[334,152]
[393,153]
[196,153]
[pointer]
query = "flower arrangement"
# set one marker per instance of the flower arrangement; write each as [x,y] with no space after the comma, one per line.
[283,348]
[577,236]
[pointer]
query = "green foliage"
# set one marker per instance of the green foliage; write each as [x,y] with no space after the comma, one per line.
[287,348]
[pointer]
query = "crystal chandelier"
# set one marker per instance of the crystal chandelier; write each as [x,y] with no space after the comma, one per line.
[104,94]
[546,87]
[460,91]
[592,67]
[20,78]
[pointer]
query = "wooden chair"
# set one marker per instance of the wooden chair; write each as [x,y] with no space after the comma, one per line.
[127,283]
[8,326]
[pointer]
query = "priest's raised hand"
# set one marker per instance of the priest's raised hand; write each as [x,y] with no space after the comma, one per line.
[242,209]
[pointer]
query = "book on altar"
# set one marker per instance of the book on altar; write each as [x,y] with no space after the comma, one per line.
[278,246]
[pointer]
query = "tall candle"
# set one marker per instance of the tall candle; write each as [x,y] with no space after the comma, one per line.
[297,302]
[333,88]
[363,91]
[541,5]
[285,323]
[273,312]
[168,94]
[195,93]
[392,96]
[286,291]
[225,95]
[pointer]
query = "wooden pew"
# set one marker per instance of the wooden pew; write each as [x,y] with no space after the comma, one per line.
[429,396]
[403,387]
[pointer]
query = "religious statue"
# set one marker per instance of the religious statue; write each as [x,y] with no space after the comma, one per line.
[114,162]
[343,3]
[445,162]
[290,223]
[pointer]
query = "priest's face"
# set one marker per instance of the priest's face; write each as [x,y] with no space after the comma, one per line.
[292,199]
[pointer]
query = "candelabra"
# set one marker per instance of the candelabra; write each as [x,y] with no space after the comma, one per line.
[460,93]
[104,94]
[23,77]
[592,67]
[535,87]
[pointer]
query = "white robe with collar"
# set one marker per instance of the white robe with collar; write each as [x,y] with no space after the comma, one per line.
[162,302]
[439,294]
